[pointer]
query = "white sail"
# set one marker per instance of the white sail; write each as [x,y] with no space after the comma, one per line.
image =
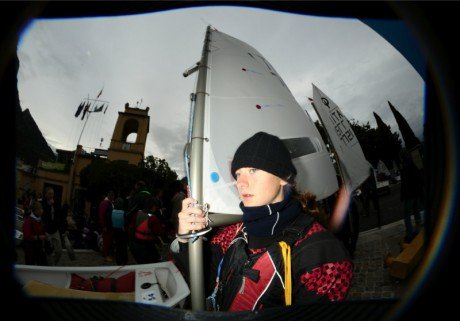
[354,166]
[383,169]
[246,95]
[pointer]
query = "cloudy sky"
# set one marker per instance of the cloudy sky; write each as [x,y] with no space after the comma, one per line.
[140,59]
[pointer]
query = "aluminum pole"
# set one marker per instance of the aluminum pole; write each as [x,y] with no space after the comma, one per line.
[196,178]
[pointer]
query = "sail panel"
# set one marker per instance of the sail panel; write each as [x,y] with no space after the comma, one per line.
[355,168]
[246,95]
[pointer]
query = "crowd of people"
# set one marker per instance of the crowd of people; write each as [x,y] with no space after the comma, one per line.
[140,223]
[45,230]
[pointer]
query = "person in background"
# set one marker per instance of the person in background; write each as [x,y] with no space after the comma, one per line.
[64,231]
[370,193]
[279,255]
[158,195]
[148,233]
[411,195]
[52,221]
[133,204]
[176,201]
[119,233]
[348,231]
[34,236]
[105,224]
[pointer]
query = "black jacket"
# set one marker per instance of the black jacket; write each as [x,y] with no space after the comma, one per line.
[252,271]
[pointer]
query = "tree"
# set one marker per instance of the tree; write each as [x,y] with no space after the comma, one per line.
[388,143]
[377,143]
[158,172]
[102,175]
[367,138]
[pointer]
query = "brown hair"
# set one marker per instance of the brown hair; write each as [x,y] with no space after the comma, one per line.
[35,206]
[310,205]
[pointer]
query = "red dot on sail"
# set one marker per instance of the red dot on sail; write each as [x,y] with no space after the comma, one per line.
[258,107]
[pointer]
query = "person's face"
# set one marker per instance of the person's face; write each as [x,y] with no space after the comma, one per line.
[257,187]
[38,211]
[49,195]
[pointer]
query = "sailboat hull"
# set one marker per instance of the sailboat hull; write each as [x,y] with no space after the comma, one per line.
[158,284]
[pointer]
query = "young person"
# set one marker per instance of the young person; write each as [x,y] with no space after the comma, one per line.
[105,225]
[34,236]
[52,222]
[148,232]
[279,255]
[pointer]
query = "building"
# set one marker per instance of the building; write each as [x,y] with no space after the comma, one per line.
[64,174]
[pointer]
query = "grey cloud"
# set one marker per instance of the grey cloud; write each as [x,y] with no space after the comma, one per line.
[143,57]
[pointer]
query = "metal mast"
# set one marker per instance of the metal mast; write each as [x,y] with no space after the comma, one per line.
[196,177]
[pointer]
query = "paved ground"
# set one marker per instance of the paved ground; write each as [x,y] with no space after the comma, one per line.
[371,279]
[391,208]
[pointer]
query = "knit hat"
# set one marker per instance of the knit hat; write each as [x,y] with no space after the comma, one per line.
[266,152]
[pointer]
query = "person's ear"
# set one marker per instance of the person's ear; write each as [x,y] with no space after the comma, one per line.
[283,183]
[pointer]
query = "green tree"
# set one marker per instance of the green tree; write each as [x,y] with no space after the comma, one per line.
[156,172]
[367,139]
[102,175]
[377,144]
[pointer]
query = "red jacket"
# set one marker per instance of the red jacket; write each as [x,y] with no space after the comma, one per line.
[252,278]
[104,211]
[32,228]
[148,227]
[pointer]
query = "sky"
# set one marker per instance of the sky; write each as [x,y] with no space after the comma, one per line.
[140,59]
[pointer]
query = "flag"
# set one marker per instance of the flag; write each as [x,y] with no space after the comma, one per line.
[86,110]
[100,93]
[79,109]
[98,109]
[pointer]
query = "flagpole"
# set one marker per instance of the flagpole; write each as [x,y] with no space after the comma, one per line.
[92,103]
[74,161]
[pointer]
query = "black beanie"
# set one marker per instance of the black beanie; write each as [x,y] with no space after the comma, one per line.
[266,152]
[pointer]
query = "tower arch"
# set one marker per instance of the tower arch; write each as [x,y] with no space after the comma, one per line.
[130,121]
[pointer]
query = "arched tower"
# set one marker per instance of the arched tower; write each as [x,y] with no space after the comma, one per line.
[131,121]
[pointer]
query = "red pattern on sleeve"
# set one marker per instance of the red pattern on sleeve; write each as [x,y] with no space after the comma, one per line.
[224,237]
[331,279]
[315,228]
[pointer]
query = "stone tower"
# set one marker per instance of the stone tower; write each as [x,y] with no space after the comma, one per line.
[132,120]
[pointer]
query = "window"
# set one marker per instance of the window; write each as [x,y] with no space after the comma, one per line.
[126,146]
[300,146]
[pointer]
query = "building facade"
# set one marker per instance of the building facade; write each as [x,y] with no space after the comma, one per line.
[64,174]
